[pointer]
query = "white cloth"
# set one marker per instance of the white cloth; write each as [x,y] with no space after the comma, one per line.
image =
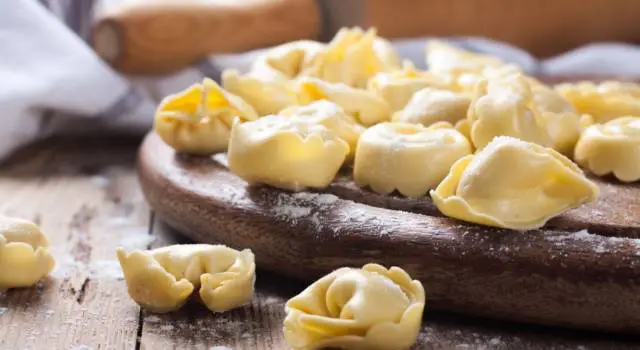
[52,82]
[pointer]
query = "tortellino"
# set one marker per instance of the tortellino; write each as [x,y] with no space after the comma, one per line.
[285,152]
[505,107]
[513,184]
[431,105]
[462,67]
[331,116]
[199,119]
[162,279]
[352,57]
[24,257]
[562,123]
[265,96]
[604,102]
[409,158]
[367,308]
[366,107]
[613,147]
[397,87]
[284,62]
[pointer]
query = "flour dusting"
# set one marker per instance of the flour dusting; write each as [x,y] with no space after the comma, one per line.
[106,269]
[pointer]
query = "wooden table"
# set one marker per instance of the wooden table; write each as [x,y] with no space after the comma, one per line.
[84,193]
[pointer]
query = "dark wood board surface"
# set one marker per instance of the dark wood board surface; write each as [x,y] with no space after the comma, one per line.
[560,275]
[58,182]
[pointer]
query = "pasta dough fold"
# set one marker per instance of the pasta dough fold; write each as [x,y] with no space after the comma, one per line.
[604,102]
[331,116]
[198,120]
[285,152]
[352,57]
[505,107]
[162,279]
[265,96]
[463,68]
[366,107]
[367,308]
[513,184]
[24,257]
[409,158]
[397,87]
[612,148]
[431,105]
[284,62]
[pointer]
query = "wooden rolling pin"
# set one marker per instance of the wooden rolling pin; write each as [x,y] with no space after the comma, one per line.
[156,37]
[161,37]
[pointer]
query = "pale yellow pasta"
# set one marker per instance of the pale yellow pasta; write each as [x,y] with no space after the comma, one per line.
[397,87]
[284,62]
[24,256]
[368,308]
[513,184]
[198,120]
[605,101]
[366,107]
[409,158]
[505,107]
[285,152]
[265,96]
[560,120]
[431,105]
[161,280]
[612,148]
[331,116]
[352,57]
[463,68]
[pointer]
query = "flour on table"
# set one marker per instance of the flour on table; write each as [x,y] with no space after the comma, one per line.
[3,311]
[135,238]
[106,269]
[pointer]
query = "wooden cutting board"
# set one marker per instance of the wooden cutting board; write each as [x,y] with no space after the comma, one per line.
[560,275]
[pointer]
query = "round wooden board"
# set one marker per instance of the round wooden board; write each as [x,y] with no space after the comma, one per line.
[561,275]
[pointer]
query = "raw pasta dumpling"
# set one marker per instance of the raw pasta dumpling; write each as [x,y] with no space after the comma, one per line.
[462,67]
[605,101]
[367,308]
[513,184]
[162,279]
[562,122]
[352,57]
[284,62]
[199,119]
[409,158]
[265,96]
[24,256]
[397,87]
[505,107]
[331,116]
[366,107]
[285,152]
[612,148]
[431,105]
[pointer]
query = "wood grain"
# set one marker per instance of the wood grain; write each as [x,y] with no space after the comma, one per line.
[72,163]
[258,326]
[161,37]
[85,215]
[542,27]
[551,276]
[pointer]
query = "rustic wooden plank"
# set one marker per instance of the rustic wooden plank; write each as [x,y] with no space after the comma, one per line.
[85,195]
[254,326]
[259,326]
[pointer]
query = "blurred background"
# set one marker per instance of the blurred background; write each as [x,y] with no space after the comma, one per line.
[95,66]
